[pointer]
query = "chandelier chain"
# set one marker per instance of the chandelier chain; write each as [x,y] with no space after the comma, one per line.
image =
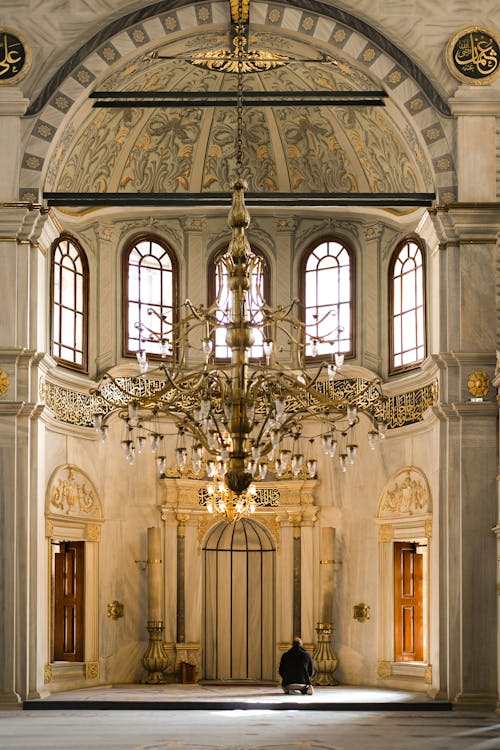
[240,37]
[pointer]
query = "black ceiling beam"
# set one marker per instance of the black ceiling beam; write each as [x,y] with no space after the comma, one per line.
[207,102]
[199,200]
[120,99]
[231,94]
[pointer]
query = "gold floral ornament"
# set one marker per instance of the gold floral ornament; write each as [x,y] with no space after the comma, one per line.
[361,612]
[478,384]
[4,382]
[115,610]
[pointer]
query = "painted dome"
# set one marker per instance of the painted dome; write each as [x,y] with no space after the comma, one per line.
[192,148]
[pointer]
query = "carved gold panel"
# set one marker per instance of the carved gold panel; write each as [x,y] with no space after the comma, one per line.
[406,494]
[384,669]
[91,670]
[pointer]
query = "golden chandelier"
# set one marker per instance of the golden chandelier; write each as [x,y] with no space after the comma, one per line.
[237,420]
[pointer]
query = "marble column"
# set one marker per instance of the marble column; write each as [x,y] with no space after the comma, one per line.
[326,573]
[155,659]
[297,580]
[23,588]
[496,531]
[155,610]
[181,593]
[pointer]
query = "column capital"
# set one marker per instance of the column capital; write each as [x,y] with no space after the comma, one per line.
[475,102]
[21,222]
[472,223]
[12,102]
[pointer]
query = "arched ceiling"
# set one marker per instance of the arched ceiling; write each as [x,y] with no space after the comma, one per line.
[401,149]
[285,148]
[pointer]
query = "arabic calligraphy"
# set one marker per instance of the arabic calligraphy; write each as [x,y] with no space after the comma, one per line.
[474,55]
[12,55]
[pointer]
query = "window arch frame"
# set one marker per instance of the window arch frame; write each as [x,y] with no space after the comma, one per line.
[351,352]
[65,237]
[129,246]
[415,364]
[212,277]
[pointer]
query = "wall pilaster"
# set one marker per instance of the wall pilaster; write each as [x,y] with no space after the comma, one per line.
[21,357]
[463,290]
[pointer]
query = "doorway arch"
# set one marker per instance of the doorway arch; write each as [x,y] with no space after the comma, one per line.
[239,603]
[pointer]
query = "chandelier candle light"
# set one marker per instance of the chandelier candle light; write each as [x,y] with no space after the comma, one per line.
[238,419]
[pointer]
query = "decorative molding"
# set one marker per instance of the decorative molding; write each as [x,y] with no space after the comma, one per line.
[428,528]
[428,675]
[385,532]
[47,674]
[93,532]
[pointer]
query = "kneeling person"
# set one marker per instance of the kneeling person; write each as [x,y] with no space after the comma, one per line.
[296,669]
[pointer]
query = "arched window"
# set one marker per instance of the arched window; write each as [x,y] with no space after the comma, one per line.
[149,296]
[407,306]
[69,304]
[327,297]
[218,287]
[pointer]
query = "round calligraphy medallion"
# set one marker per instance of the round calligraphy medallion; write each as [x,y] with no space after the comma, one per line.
[473,56]
[15,56]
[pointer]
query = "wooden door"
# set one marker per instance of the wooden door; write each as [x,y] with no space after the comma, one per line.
[408,603]
[69,602]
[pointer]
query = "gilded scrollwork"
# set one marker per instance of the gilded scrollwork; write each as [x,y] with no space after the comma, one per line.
[407,494]
[257,151]
[385,532]
[272,525]
[4,382]
[399,410]
[92,532]
[91,670]
[71,493]
[265,497]
[384,669]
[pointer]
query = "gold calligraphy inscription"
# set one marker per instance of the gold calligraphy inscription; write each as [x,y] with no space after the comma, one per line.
[473,55]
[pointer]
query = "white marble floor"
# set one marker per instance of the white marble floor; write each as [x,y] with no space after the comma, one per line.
[260,729]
